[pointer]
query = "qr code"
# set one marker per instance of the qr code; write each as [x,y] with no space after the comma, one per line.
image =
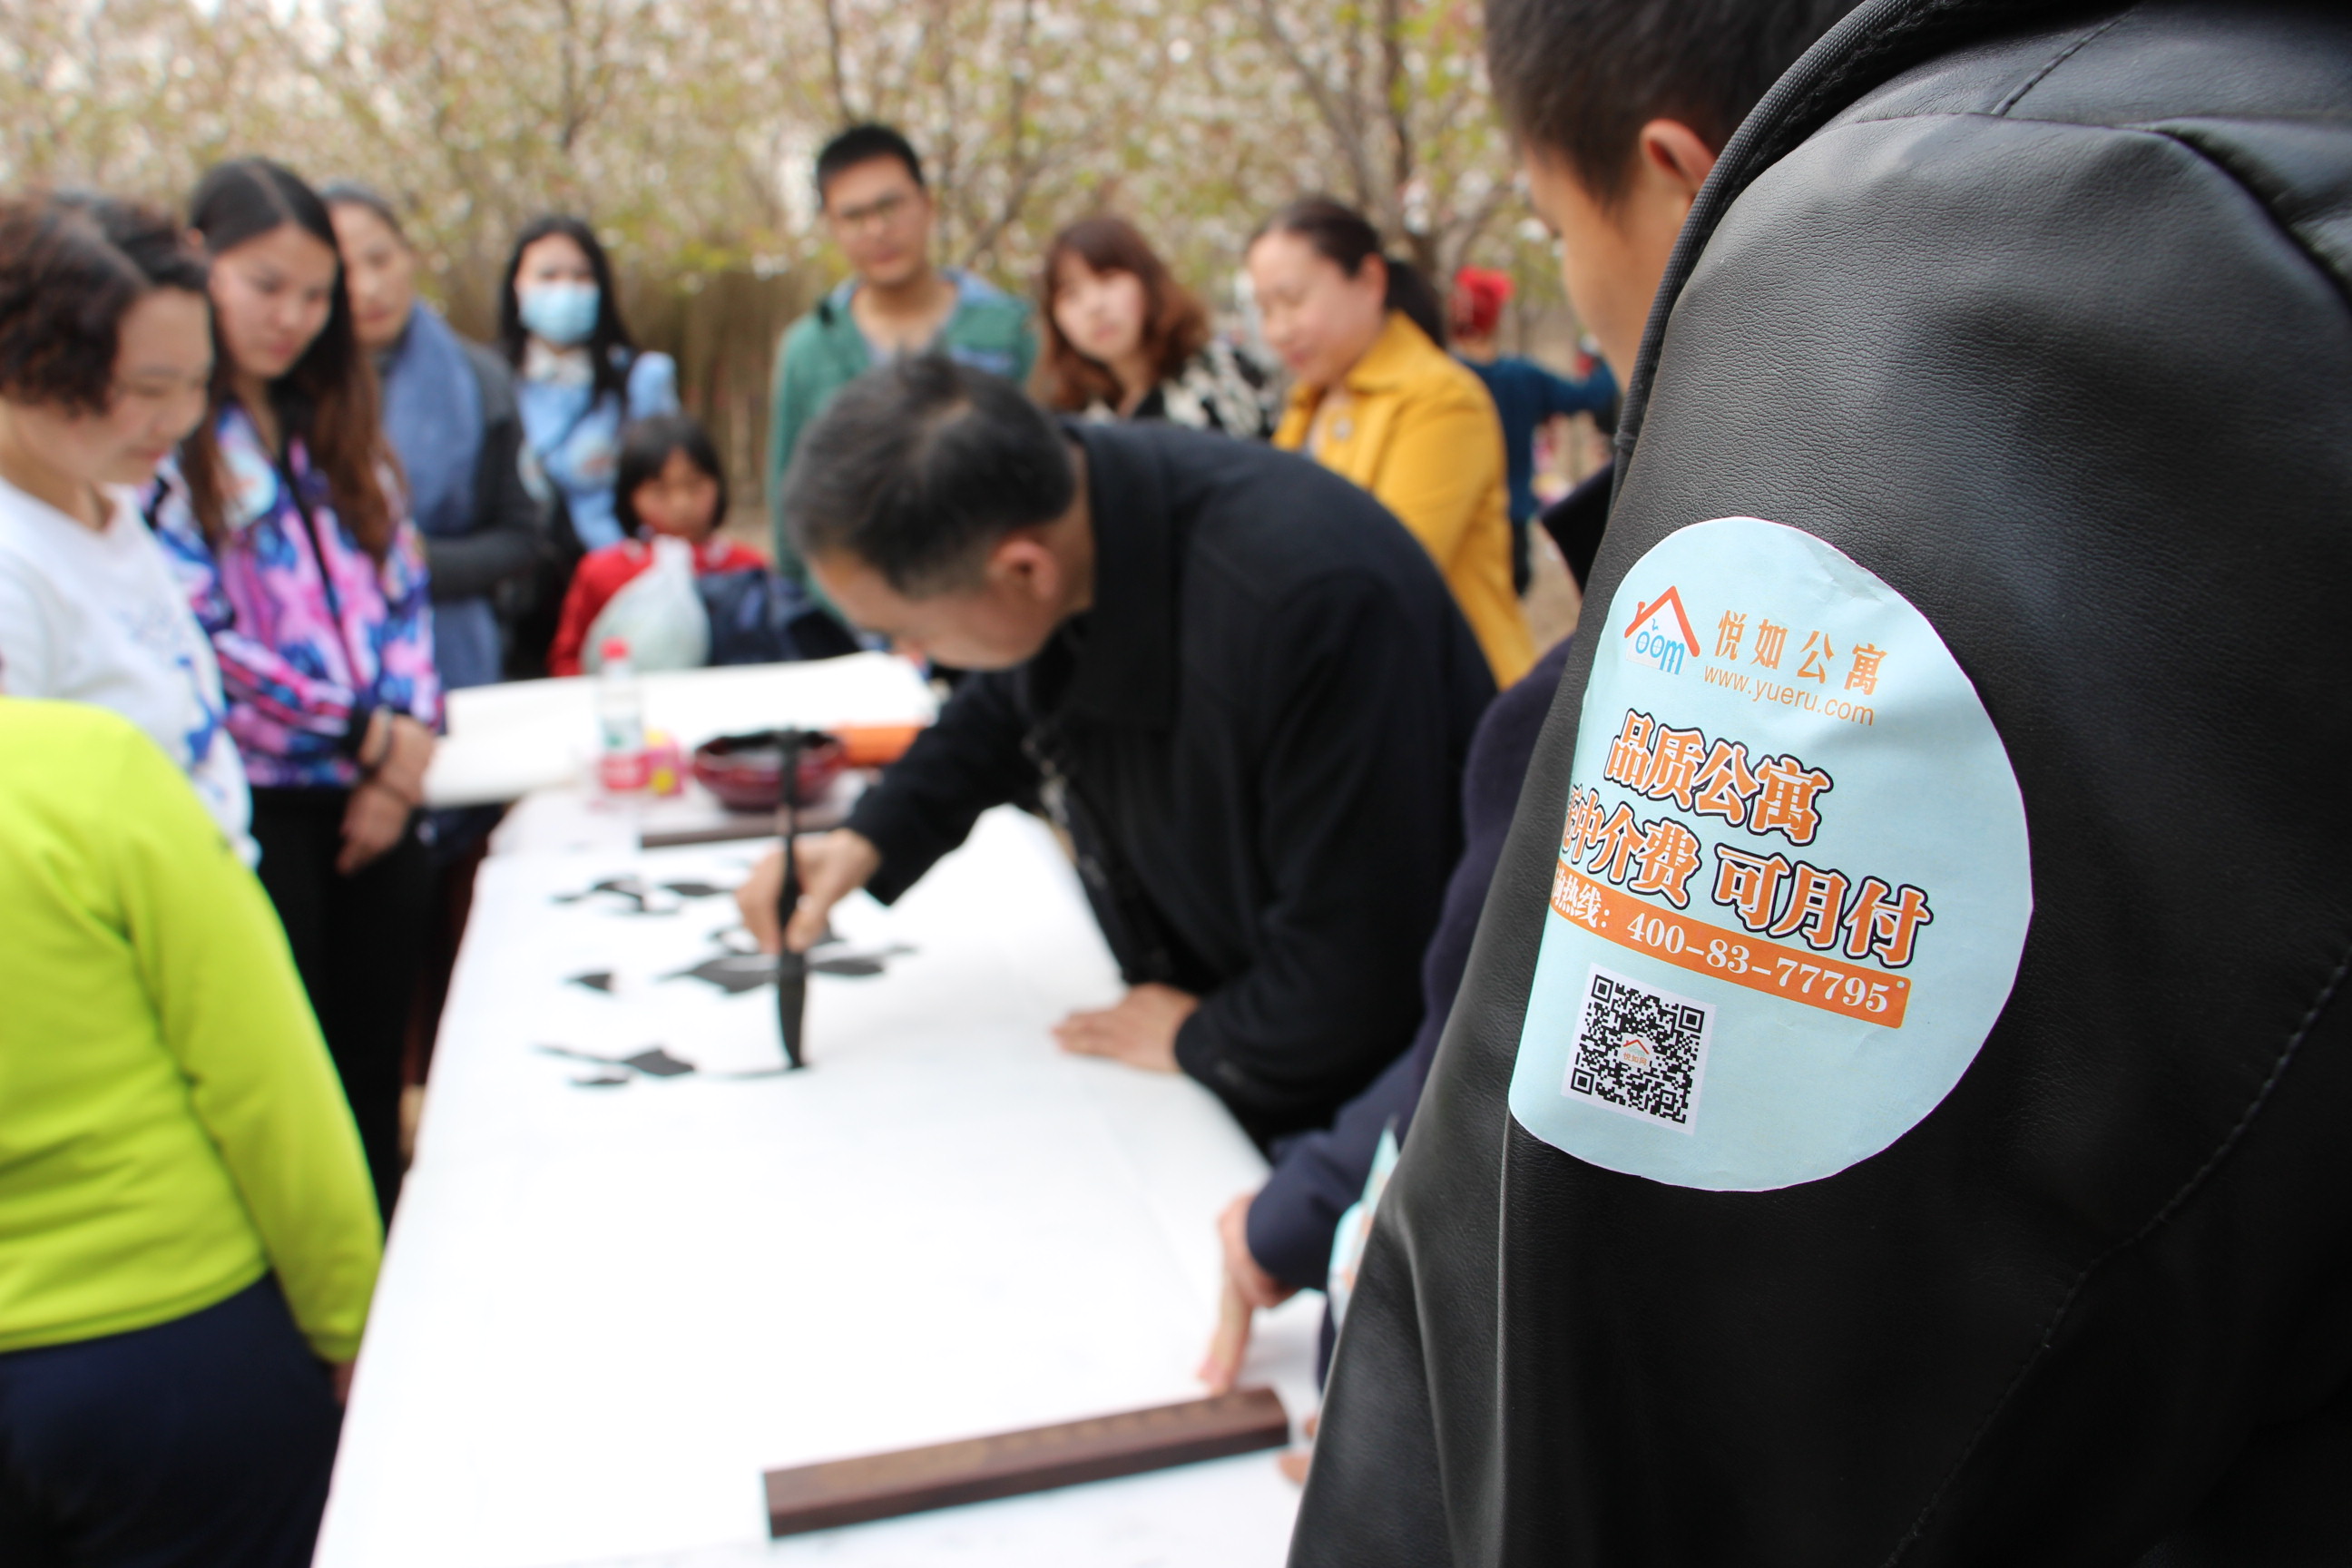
[1640,1051]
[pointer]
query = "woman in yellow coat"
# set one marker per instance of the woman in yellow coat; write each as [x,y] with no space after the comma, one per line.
[1374,397]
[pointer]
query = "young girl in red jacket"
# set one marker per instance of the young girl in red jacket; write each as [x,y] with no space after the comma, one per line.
[669,480]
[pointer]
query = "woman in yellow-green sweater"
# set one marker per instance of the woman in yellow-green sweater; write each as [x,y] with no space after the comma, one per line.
[1375,396]
[188,1235]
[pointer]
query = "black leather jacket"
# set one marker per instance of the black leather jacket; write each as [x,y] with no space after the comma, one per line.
[2040,315]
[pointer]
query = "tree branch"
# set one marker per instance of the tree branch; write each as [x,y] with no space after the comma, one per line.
[832,59]
[1340,119]
[1396,103]
[1463,235]
[1016,115]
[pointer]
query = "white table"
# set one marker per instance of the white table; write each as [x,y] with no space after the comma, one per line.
[606,1310]
[506,740]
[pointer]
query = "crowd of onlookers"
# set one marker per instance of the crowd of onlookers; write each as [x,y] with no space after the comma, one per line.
[261,508]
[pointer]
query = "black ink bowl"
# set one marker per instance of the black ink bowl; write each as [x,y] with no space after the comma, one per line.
[746,771]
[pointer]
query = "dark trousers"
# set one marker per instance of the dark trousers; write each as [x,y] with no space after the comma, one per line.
[202,1442]
[359,941]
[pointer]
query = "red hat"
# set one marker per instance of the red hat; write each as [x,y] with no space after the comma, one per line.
[1479,295]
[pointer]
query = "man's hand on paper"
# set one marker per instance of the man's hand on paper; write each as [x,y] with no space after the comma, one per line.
[1248,1289]
[1139,1029]
[831,866]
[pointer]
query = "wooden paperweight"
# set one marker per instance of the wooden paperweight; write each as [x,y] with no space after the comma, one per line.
[910,1480]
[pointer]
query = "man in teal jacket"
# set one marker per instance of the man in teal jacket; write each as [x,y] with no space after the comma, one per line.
[870,186]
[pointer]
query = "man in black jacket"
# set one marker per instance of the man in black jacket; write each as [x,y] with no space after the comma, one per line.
[1894,1108]
[1234,679]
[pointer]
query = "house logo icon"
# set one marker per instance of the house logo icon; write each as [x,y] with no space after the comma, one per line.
[1659,637]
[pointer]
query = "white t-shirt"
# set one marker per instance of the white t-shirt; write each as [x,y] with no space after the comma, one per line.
[97,618]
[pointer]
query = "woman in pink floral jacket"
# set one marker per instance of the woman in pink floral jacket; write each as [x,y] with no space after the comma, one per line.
[290,532]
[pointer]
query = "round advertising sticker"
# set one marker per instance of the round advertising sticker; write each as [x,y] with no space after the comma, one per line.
[1793,886]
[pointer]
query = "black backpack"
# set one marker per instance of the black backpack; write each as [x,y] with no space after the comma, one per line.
[759,617]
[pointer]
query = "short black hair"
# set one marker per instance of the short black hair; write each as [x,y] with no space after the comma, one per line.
[71,265]
[862,144]
[1576,79]
[645,447]
[919,466]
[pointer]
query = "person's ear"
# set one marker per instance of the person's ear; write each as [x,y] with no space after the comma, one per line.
[1374,275]
[1023,564]
[1676,155]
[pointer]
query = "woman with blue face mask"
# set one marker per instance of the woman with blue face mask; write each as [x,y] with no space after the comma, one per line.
[578,376]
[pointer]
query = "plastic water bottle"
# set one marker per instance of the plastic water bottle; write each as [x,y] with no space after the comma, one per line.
[621,717]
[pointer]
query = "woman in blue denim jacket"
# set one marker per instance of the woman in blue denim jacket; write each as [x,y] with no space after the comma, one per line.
[579,377]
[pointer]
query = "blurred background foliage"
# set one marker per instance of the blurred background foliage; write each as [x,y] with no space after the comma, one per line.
[684,130]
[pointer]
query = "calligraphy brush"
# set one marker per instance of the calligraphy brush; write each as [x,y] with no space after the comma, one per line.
[792,968]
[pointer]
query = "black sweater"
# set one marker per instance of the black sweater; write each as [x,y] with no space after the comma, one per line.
[1316,1176]
[1256,737]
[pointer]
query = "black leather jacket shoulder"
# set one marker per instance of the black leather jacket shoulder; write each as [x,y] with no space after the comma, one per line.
[2039,316]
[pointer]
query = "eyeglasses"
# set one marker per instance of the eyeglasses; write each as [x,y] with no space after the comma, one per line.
[883,211]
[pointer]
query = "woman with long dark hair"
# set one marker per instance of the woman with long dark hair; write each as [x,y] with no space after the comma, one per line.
[580,377]
[290,526]
[1375,396]
[1123,339]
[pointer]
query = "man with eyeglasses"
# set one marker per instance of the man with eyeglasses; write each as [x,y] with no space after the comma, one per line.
[879,212]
